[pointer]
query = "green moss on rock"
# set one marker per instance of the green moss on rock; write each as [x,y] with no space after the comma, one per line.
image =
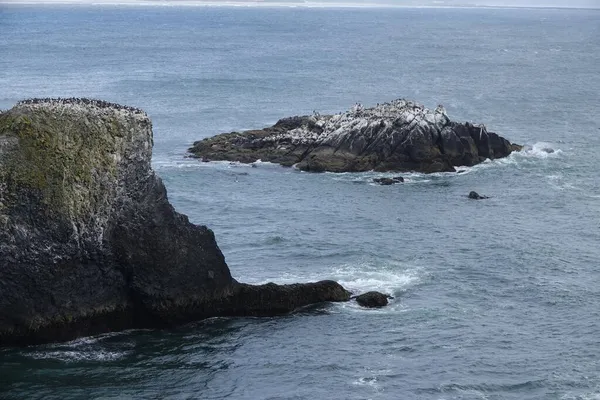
[69,156]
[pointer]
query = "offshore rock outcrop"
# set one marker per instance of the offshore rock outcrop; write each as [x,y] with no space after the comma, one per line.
[396,136]
[476,196]
[373,299]
[89,242]
[388,181]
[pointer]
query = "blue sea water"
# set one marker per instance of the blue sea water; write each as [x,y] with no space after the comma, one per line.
[495,299]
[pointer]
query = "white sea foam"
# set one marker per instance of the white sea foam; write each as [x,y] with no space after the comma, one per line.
[558,181]
[87,348]
[367,177]
[178,162]
[389,277]
[372,379]
[78,355]
[540,150]
[366,381]
[87,340]
[81,341]
[363,277]
[170,162]
[537,151]
[261,163]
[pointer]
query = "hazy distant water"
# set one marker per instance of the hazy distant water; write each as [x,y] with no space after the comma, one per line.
[498,299]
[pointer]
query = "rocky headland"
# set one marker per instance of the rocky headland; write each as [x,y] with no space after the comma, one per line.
[396,136]
[89,242]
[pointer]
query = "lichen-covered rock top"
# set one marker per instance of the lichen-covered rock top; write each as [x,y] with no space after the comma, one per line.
[89,242]
[75,155]
[397,136]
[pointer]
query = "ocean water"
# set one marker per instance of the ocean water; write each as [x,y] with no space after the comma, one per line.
[495,299]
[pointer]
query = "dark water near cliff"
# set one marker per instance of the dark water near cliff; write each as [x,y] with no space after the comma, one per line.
[497,299]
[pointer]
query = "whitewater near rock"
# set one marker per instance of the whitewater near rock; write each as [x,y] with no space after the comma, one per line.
[397,136]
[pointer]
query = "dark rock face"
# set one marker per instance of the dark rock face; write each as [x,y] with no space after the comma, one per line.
[272,299]
[373,299]
[476,196]
[89,242]
[396,136]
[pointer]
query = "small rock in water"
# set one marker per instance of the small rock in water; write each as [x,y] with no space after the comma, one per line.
[548,150]
[388,181]
[384,181]
[476,196]
[373,299]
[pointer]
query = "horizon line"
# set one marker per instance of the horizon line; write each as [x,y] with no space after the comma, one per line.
[271,4]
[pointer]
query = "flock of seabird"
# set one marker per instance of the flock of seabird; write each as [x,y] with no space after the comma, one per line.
[80,101]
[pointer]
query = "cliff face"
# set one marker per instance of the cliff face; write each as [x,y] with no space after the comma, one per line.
[88,240]
[396,136]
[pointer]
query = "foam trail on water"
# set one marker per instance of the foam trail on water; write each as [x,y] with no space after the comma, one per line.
[261,163]
[540,150]
[178,162]
[87,340]
[560,182]
[75,356]
[363,277]
[90,348]
[529,153]
[389,277]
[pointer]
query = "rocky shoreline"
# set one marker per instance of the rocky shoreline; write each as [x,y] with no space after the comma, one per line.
[397,136]
[89,242]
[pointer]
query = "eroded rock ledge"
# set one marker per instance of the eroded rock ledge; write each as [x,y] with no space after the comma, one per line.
[396,136]
[89,242]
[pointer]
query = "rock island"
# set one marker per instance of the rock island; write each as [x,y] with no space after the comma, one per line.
[397,136]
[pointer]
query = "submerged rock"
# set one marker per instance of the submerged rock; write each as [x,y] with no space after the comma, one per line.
[89,242]
[396,136]
[388,181]
[476,196]
[373,299]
